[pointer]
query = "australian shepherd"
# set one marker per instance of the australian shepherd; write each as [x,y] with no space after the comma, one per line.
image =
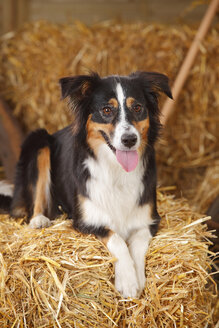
[100,169]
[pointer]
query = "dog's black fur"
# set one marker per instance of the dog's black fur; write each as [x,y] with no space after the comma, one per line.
[69,147]
[100,170]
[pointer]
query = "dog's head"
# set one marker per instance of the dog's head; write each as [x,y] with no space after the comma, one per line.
[121,111]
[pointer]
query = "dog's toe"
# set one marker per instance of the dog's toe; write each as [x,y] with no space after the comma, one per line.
[126,281]
[39,221]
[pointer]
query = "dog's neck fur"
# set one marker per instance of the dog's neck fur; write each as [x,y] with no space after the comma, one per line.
[114,191]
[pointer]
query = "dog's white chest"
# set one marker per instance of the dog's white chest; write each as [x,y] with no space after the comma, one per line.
[113,194]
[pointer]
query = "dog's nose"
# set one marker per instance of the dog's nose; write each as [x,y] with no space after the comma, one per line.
[129,140]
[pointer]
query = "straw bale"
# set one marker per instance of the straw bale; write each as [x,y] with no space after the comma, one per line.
[35,57]
[208,187]
[57,277]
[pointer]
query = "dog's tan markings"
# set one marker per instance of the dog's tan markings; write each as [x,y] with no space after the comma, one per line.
[81,200]
[41,202]
[107,237]
[113,102]
[142,127]
[129,102]
[94,137]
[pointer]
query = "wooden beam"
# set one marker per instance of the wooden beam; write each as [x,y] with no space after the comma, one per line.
[168,107]
[22,12]
[15,13]
[9,15]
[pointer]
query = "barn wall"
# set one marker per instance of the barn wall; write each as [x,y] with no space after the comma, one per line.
[14,12]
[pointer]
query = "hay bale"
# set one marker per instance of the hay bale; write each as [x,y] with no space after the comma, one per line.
[35,57]
[57,277]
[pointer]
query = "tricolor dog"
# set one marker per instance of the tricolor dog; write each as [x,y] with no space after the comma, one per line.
[100,169]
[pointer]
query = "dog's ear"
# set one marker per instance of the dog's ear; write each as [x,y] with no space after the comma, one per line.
[77,87]
[154,82]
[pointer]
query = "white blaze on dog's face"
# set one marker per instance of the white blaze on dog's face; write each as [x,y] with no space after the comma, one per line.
[126,136]
[126,139]
[119,118]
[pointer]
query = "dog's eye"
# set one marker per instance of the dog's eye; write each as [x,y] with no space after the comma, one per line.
[137,108]
[107,110]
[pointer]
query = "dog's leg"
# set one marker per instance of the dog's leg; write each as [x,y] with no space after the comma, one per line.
[42,190]
[138,245]
[126,281]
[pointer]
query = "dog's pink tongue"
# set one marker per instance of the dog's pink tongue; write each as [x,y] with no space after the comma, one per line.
[128,159]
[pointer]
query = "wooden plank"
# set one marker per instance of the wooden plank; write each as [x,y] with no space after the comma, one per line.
[87,11]
[13,13]
[9,15]
[22,12]
[91,11]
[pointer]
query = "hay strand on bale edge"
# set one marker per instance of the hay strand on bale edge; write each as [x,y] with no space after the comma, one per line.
[56,277]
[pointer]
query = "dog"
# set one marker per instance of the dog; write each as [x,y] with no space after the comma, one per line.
[100,169]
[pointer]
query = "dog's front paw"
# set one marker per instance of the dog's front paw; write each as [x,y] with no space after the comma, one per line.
[39,221]
[126,281]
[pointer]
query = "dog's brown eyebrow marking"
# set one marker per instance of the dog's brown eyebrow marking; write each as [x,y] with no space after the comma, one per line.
[113,102]
[130,101]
